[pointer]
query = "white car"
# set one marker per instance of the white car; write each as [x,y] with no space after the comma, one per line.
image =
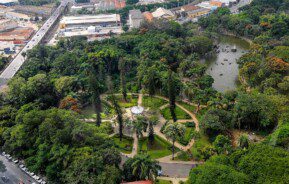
[21,166]
[32,174]
[15,161]
[39,181]
[43,182]
[3,153]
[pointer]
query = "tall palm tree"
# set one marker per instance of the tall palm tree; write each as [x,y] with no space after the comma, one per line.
[144,167]
[140,125]
[174,131]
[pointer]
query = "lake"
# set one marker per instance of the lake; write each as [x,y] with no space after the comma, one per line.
[223,66]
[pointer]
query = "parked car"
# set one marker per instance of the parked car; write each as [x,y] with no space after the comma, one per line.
[15,161]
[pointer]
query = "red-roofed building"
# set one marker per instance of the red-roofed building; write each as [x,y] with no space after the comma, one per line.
[148,16]
[140,182]
[217,3]
[189,7]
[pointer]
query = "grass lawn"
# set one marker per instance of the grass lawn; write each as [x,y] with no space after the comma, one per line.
[194,153]
[159,149]
[187,106]
[159,181]
[131,100]
[201,142]
[125,145]
[153,102]
[189,134]
[179,112]
[201,113]
[89,111]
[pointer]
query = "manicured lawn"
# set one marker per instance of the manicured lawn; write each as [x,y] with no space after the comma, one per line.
[131,100]
[159,148]
[125,145]
[179,112]
[153,102]
[189,107]
[189,134]
[159,181]
[89,111]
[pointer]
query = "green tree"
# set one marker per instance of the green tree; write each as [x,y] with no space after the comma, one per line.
[174,131]
[243,141]
[222,144]
[172,95]
[143,167]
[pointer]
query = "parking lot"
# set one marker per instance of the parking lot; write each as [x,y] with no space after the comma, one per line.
[16,172]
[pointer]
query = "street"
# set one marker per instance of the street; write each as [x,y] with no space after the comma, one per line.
[17,62]
[14,173]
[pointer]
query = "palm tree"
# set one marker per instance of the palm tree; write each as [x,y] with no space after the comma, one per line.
[144,167]
[140,125]
[174,131]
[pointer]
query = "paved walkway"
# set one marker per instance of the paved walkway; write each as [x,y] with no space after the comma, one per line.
[193,116]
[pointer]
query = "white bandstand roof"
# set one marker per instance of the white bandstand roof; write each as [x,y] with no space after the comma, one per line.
[137,109]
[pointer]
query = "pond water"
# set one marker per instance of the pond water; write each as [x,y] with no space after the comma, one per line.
[223,66]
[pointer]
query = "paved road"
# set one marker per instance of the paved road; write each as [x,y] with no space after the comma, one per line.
[14,174]
[174,170]
[17,62]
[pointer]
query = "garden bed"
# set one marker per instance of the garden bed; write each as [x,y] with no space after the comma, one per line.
[179,113]
[125,145]
[160,147]
[153,102]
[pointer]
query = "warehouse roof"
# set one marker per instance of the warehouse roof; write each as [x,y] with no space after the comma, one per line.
[91,19]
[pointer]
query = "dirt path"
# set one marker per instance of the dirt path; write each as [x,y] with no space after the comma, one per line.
[134,147]
[139,101]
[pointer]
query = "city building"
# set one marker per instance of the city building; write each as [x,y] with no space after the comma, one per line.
[189,7]
[17,16]
[7,24]
[207,5]
[8,2]
[91,26]
[217,4]
[200,12]
[76,8]
[110,4]
[229,2]
[148,16]
[135,18]
[146,2]
[18,34]
[103,20]
[162,13]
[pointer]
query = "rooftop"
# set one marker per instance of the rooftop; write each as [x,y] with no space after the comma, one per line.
[91,19]
[161,12]
[135,14]
[139,182]
[8,1]
[189,7]
[148,16]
